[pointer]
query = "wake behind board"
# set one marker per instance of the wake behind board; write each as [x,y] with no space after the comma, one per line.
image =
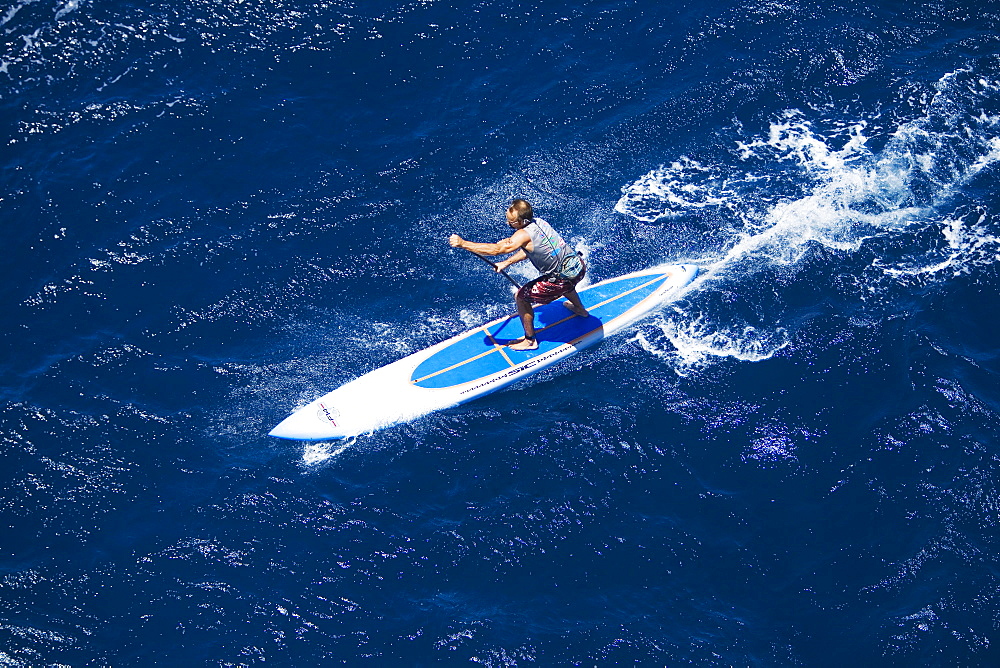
[475,363]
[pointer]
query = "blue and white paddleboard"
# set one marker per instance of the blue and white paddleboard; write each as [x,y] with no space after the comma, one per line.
[475,363]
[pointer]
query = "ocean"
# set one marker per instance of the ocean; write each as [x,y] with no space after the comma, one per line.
[216,212]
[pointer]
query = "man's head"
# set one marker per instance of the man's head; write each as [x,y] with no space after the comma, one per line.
[519,214]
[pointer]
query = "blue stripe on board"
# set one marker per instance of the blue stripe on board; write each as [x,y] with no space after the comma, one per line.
[477,355]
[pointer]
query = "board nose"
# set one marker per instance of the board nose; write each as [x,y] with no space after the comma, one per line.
[285,429]
[300,427]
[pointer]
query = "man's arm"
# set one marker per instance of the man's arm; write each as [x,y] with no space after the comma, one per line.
[516,241]
[513,259]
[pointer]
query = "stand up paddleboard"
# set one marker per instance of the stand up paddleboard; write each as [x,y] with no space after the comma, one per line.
[475,363]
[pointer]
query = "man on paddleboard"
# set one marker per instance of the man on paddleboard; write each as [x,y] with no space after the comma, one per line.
[561,268]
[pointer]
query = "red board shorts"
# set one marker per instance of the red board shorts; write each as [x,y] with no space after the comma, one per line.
[545,289]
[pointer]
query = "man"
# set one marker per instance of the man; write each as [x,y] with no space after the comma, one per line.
[561,268]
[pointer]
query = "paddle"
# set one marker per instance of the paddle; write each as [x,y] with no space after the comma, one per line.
[499,271]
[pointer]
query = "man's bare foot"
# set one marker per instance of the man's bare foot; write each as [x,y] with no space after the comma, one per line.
[582,312]
[523,344]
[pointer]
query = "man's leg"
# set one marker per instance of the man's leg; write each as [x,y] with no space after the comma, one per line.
[528,320]
[574,304]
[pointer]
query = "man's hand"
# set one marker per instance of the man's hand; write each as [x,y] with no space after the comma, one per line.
[455,241]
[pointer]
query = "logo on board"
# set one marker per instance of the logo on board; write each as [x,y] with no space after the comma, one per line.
[328,414]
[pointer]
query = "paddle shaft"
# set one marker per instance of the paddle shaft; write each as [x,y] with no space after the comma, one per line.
[499,271]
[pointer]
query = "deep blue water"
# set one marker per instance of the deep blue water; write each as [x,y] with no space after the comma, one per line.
[216,212]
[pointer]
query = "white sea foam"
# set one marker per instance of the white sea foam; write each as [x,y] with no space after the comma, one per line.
[967,243]
[66,8]
[693,344]
[673,189]
[14,10]
[317,453]
[814,182]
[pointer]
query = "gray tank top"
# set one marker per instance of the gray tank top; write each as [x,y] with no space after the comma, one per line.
[550,251]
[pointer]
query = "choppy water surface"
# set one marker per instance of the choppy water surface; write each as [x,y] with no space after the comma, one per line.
[216,212]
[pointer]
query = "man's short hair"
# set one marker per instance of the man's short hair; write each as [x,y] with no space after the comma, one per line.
[521,209]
